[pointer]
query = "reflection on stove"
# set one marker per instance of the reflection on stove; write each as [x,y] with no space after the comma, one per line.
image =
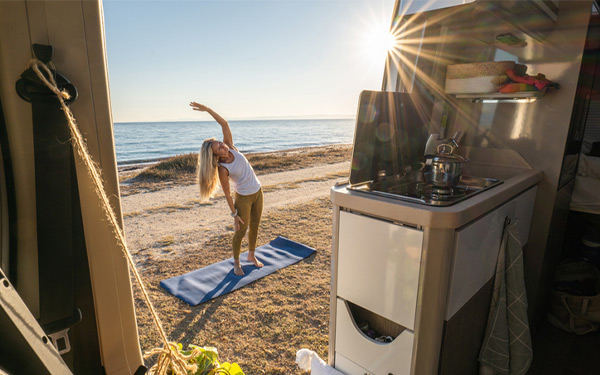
[414,188]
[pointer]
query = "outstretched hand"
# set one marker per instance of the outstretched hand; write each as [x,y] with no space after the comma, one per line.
[198,107]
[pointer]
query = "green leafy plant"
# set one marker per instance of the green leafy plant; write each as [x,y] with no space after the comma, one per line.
[207,362]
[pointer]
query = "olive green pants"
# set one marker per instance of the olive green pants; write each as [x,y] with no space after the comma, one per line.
[249,208]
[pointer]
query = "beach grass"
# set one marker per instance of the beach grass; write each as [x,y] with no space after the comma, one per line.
[263,325]
[172,168]
[182,168]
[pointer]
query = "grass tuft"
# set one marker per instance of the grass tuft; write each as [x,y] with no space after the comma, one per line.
[166,241]
[170,169]
[182,168]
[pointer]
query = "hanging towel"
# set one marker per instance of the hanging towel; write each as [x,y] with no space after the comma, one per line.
[506,346]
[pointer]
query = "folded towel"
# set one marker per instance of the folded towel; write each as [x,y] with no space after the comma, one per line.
[308,360]
[589,166]
[506,346]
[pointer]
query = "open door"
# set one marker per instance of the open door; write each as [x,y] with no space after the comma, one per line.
[65,281]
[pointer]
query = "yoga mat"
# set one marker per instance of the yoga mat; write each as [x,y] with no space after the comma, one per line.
[218,279]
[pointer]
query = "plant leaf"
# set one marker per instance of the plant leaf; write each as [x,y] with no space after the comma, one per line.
[233,368]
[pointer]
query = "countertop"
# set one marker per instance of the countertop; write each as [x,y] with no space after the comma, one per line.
[515,181]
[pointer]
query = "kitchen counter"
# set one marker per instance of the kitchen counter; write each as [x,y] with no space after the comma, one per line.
[515,181]
[430,262]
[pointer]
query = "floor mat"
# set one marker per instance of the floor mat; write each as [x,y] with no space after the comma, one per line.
[218,279]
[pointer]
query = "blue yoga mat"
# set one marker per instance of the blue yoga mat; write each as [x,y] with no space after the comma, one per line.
[217,279]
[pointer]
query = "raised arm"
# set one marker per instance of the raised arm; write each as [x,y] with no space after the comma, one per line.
[227,136]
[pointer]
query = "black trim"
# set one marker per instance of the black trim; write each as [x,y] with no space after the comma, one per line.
[11,199]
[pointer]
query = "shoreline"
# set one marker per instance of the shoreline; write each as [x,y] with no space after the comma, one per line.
[134,166]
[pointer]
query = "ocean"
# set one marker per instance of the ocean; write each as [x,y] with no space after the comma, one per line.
[138,142]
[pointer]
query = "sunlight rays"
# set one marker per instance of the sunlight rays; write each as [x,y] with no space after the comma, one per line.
[418,48]
[423,47]
[377,41]
[417,45]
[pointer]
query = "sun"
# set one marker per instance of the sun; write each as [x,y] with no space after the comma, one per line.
[377,41]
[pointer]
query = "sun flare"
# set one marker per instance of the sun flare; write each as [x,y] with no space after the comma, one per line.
[377,42]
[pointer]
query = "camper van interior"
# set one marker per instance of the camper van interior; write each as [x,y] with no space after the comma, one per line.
[454,163]
[534,144]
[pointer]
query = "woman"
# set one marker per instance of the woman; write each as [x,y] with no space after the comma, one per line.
[221,161]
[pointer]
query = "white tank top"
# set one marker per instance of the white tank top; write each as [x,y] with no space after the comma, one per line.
[241,174]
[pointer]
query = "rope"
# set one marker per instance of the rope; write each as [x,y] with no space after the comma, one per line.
[170,357]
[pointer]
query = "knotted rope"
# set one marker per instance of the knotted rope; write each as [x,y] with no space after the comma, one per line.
[170,357]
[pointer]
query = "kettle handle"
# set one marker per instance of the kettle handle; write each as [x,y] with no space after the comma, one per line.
[441,148]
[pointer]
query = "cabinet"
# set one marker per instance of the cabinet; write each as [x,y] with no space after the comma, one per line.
[422,285]
[471,285]
[378,281]
[477,246]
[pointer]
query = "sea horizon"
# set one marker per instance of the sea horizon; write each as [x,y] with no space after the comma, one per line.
[151,141]
[274,118]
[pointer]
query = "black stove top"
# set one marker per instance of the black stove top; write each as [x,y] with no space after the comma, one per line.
[413,188]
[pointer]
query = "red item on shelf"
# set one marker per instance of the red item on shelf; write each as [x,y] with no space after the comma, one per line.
[539,81]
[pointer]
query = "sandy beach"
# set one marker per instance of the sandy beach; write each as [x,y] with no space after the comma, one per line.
[262,325]
[191,223]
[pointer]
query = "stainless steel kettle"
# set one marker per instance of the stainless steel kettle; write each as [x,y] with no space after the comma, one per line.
[444,168]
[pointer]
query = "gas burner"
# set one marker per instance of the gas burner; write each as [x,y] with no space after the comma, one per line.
[441,190]
[413,188]
[447,193]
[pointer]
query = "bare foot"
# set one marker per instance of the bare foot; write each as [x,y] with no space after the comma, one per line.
[237,268]
[253,259]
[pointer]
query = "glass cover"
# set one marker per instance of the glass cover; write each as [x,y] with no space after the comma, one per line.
[390,135]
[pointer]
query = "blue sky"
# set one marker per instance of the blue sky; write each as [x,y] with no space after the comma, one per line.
[246,59]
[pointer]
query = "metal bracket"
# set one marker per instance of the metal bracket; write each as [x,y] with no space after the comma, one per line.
[60,340]
[58,331]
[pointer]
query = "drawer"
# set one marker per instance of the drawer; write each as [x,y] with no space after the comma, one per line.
[362,352]
[378,266]
[348,367]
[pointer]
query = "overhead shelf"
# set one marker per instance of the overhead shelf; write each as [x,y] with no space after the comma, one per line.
[524,96]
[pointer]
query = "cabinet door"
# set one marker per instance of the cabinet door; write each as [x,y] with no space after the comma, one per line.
[477,246]
[378,266]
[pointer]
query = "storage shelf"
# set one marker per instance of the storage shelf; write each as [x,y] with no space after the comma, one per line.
[515,96]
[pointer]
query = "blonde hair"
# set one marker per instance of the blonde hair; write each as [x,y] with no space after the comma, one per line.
[208,176]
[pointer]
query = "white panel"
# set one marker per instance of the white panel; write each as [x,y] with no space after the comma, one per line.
[477,247]
[378,266]
[348,367]
[378,358]
[417,6]
[524,214]
[475,258]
